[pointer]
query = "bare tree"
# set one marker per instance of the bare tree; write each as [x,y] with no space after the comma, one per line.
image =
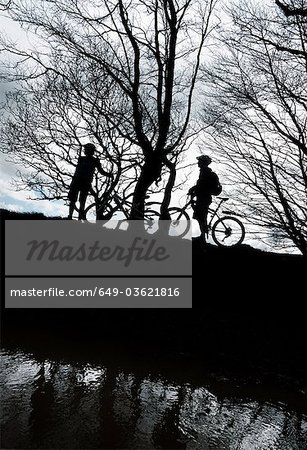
[5,5]
[150,50]
[293,8]
[258,116]
[45,126]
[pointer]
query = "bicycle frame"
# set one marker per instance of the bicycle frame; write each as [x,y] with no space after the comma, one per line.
[213,212]
[121,204]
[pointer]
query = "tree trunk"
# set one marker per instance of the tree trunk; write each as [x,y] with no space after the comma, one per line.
[150,172]
[164,220]
[168,191]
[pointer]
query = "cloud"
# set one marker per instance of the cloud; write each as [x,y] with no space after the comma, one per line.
[7,169]
[11,206]
[12,32]
[19,201]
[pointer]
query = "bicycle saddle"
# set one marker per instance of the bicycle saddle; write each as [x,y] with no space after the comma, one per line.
[224,198]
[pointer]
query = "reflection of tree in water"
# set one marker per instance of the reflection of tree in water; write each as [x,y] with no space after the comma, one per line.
[136,408]
[85,406]
[111,432]
[120,408]
[167,432]
[42,400]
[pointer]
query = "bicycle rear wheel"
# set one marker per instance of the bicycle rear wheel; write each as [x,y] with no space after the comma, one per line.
[86,210]
[180,222]
[228,232]
[104,214]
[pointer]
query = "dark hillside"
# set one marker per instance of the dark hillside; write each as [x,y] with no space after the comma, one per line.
[249,313]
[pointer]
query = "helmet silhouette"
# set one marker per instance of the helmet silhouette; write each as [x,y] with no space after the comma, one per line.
[89,149]
[205,159]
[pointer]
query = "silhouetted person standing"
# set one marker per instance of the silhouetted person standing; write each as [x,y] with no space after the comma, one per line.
[207,185]
[82,179]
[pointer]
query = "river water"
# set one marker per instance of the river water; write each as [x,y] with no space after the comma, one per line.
[62,403]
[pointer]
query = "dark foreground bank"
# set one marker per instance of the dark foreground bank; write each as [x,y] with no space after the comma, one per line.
[229,373]
[249,311]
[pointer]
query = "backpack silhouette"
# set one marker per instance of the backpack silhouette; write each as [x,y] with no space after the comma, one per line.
[215,185]
[208,183]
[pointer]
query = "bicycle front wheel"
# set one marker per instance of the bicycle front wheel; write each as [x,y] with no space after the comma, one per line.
[180,222]
[151,221]
[228,232]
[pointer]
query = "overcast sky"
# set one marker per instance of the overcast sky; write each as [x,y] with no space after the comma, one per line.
[9,198]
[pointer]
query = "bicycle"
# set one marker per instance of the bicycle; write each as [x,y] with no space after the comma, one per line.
[108,207]
[226,231]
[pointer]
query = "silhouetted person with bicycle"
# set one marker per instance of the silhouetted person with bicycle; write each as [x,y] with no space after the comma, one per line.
[207,185]
[82,180]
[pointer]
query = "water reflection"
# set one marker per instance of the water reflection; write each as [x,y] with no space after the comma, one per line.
[52,404]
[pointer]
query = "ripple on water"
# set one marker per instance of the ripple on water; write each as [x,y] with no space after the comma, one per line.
[52,404]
